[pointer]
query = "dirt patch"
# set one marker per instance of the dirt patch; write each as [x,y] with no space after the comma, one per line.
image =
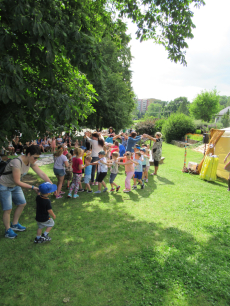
[201,148]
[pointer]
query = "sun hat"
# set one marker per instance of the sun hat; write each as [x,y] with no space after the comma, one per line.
[47,187]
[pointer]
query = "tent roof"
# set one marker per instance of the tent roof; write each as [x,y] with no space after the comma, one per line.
[227,132]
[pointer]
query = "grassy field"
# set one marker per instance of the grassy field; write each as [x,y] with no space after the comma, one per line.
[168,244]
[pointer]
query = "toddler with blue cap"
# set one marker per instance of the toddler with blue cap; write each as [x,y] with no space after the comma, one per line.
[43,212]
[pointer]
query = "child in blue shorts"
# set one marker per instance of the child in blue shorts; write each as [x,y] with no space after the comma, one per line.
[138,171]
[87,176]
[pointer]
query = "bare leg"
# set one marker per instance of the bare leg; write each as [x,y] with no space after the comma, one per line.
[99,186]
[48,229]
[6,218]
[17,213]
[134,181]
[156,168]
[39,231]
[59,184]
[103,183]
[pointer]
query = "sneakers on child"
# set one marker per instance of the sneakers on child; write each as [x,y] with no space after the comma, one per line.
[62,192]
[134,186]
[105,189]
[15,154]
[146,181]
[10,234]
[98,191]
[142,186]
[126,190]
[58,196]
[75,196]
[90,191]
[138,183]
[118,187]
[81,190]
[18,227]
[40,240]
[112,189]
[96,183]
[69,195]
[46,238]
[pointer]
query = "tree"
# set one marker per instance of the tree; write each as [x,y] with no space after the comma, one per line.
[225,120]
[205,105]
[154,110]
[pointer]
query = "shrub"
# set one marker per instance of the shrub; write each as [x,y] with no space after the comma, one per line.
[198,131]
[177,126]
[146,127]
[159,124]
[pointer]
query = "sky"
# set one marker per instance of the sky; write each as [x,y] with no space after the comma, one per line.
[208,59]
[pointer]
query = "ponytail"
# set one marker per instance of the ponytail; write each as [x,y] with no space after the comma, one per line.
[59,151]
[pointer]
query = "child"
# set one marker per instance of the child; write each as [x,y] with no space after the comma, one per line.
[69,170]
[77,172]
[145,172]
[129,169]
[53,145]
[65,151]
[114,171]
[87,177]
[43,210]
[102,171]
[138,171]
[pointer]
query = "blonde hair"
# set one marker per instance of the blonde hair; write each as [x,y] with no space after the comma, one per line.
[68,155]
[59,151]
[77,151]
[89,158]
[158,134]
[138,153]
[116,154]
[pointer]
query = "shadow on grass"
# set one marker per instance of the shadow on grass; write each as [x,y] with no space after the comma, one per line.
[102,255]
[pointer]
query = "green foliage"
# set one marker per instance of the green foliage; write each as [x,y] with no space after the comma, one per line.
[198,131]
[195,137]
[146,127]
[179,105]
[205,105]
[113,84]
[176,126]
[149,126]
[225,120]
[154,110]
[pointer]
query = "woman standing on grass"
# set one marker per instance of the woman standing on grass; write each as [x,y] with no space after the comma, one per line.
[227,168]
[156,150]
[97,145]
[11,191]
[132,140]
[60,161]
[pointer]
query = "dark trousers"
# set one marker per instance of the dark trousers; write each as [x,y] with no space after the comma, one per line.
[93,168]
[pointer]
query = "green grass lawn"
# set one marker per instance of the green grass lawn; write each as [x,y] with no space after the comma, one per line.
[168,244]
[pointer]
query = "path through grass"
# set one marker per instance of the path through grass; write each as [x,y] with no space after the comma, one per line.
[165,245]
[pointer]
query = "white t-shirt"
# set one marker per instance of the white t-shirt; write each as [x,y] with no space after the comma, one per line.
[95,147]
[59,140]
[102,167]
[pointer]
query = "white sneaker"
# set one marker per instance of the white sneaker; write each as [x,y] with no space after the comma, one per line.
[15,154]
[146,180]
[22,154]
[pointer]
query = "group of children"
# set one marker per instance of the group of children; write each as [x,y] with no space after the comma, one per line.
[136,167]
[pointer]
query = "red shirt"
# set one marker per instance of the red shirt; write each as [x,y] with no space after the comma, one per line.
[76,163]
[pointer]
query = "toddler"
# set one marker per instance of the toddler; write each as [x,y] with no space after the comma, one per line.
[43,209]
[87,177]
[69,170]
[129,169]
[102,171]
[138,171]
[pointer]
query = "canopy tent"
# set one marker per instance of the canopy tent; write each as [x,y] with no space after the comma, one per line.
[222,148]
[219,145]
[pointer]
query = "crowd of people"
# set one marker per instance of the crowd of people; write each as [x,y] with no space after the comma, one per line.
[93,157]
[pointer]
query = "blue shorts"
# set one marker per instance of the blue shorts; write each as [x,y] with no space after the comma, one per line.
[112,177]
[87,179]
[138,175]
[9,195]
[59,172]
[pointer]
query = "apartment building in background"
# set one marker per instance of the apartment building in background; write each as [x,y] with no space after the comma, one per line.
[144,103]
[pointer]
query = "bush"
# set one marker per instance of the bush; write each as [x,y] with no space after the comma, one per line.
[146,127]
[159,124]
[177,126]
[198,131]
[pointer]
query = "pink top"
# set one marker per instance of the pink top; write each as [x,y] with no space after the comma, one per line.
[128,168]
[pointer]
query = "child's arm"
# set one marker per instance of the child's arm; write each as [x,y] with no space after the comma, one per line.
[50,211]
[134,162]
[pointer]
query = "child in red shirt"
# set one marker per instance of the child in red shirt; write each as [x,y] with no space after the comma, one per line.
[77,172]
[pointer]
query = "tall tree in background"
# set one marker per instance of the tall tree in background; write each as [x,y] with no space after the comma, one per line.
[205,105]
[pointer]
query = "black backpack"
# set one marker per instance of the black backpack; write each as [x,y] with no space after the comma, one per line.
[3,165]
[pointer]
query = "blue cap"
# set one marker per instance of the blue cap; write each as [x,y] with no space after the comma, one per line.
[83,148]
[137,147]
[47,187]
[142,149]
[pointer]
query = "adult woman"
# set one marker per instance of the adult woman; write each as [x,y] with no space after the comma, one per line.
[132,140]
[59,140]
[17,145]
[60,161]
[69,142]
[39,143]
[156,150]
[10,188]
[45,143]
[97,145]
